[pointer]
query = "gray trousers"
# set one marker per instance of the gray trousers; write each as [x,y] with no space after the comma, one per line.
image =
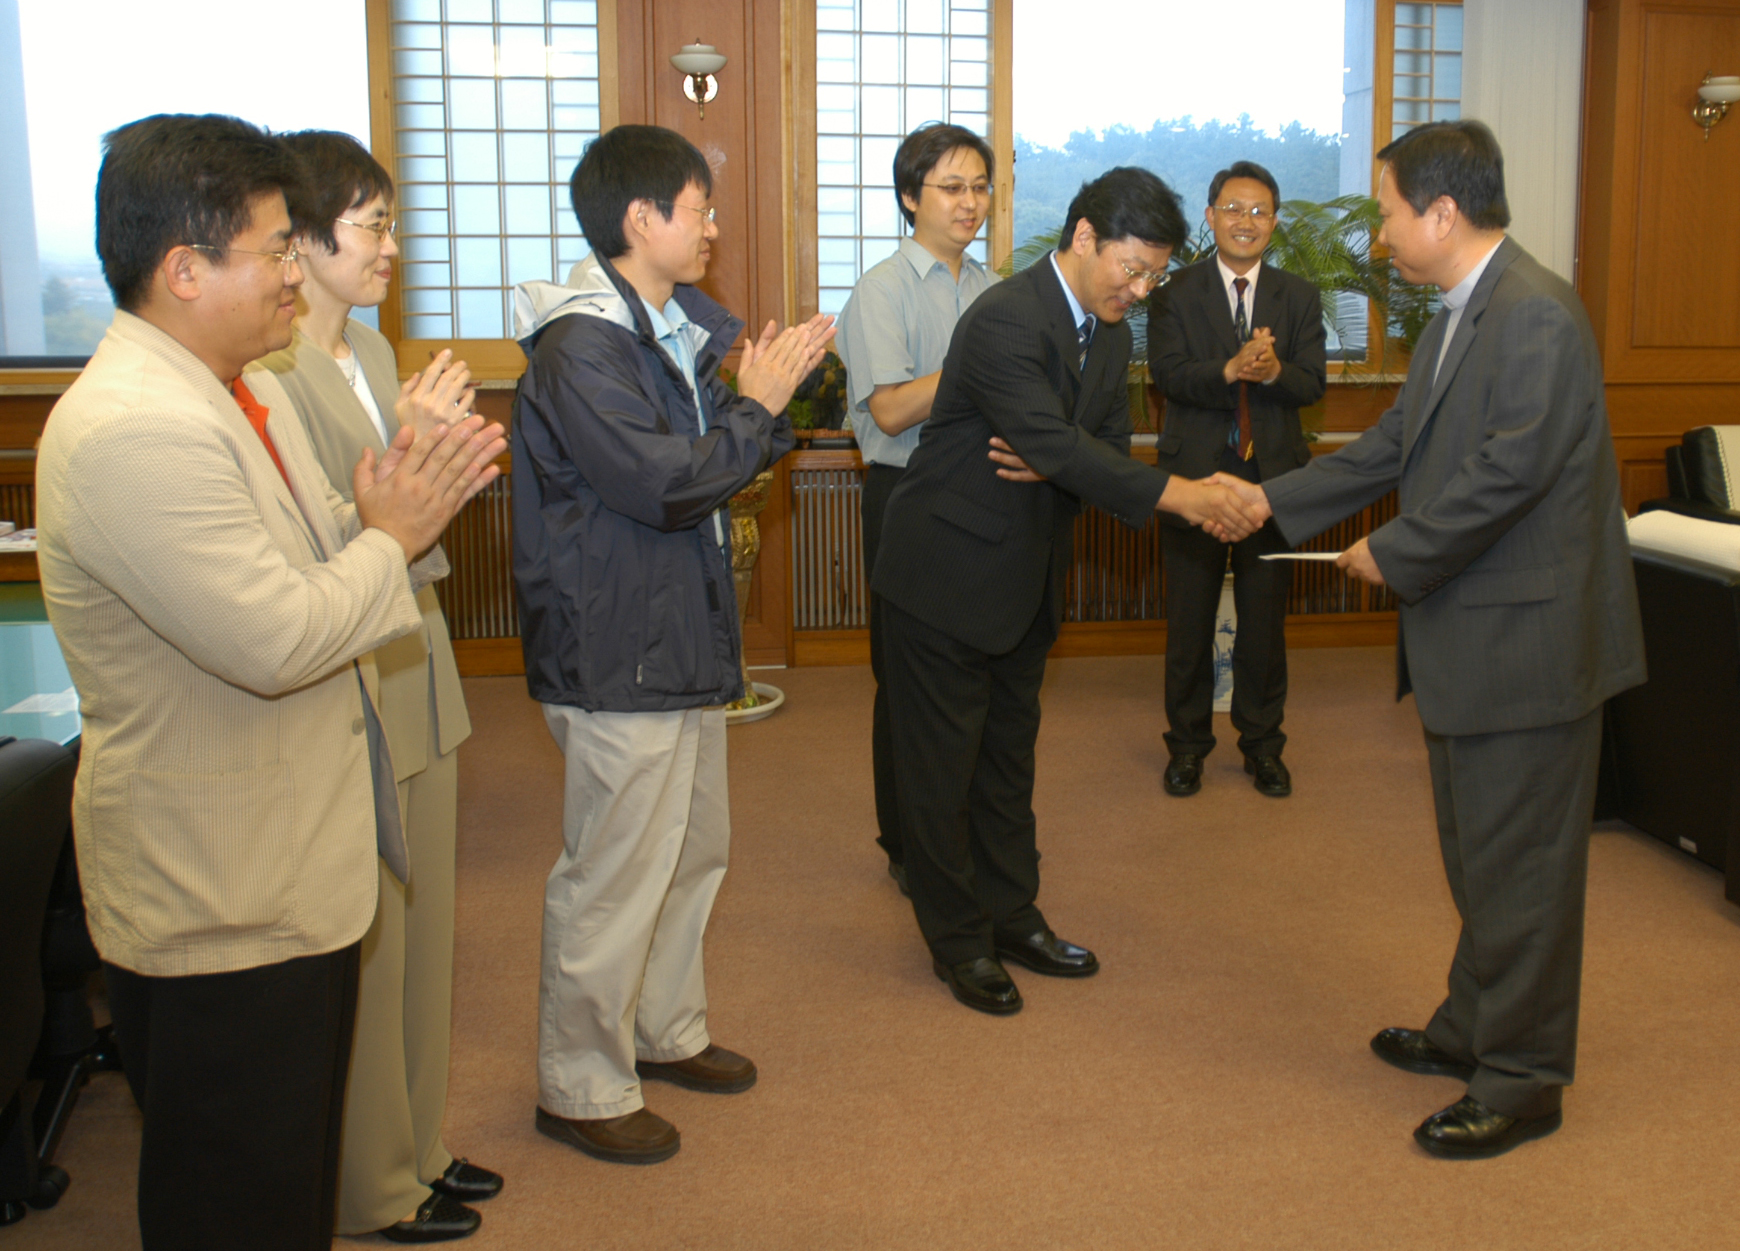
[646,829]
[1514,811]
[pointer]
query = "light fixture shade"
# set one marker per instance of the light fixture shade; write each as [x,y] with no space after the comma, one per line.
[698,59]
[1725,90]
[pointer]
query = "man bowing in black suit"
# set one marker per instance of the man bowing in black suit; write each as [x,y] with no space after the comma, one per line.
[972,565]
[1236,347]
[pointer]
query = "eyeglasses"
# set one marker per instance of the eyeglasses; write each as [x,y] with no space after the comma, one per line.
[1256,213]
[707,214]
[286,259]
[380,230]
[955,190]
[1153,280]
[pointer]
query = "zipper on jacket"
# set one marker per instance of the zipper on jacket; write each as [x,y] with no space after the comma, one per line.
[637,670]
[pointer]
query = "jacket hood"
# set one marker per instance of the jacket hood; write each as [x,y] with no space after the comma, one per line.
[588,292]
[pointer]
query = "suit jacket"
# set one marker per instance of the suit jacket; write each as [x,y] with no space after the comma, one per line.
[1190,340]
[418,675]
[1509,552]
[211,615]
[970,553]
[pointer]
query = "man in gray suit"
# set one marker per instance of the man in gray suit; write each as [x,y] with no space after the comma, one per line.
[1518,621]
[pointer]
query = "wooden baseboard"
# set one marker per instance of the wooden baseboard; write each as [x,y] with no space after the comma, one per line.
[489,658]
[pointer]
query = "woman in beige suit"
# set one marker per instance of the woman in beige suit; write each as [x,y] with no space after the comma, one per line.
[396,1176]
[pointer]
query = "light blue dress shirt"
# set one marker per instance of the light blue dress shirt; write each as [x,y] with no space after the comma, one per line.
[682,340]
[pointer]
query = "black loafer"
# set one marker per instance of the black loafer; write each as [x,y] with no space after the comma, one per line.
[897,871]
[1410,1049]
[1469,1130]
[1046,953]
[467,1182]
[439,1218]
[1183,774]
[1269,776]
[982,984]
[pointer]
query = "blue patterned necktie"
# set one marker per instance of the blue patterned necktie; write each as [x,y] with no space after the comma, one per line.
[1084,335]
[1239,437]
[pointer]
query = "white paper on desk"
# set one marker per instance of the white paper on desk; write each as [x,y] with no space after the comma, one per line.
[46,705]
[1301,556]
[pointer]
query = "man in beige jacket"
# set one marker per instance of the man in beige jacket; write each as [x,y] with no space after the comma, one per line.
[212,595]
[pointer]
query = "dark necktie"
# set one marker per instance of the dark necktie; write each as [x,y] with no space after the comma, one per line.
[1241,434]
[1084,335]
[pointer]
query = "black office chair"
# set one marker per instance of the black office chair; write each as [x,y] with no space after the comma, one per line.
[36,786]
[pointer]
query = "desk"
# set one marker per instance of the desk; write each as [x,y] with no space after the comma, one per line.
[37,699]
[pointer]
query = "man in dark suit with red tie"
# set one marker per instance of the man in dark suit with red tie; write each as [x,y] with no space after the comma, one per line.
[1237,348]
[972,562]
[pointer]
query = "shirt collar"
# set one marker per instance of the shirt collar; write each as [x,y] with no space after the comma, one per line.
[923,260]
[1075,309]
[667,321]
[1227,276]
[1458,295]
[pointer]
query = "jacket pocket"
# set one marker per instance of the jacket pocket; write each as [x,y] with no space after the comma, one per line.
[975,519]
[213,853]
[1506,586]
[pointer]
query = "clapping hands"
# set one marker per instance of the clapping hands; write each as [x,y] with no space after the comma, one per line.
[774,365]
[441,393]
[1256,360]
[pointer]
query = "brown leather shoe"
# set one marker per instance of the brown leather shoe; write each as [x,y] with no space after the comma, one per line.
[716,1071]
[638,1138]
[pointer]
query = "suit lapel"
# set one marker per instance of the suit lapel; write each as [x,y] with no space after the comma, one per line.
[1099,350]
[1266,307]
[1061,322]
[1466,331]
[1217,307]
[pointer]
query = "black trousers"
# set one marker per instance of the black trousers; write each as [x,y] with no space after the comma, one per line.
[241,1079]
[964,726]
[879,483]
[1513,824]
[1196,567]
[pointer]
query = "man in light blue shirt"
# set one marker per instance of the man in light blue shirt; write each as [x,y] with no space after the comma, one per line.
[893,335]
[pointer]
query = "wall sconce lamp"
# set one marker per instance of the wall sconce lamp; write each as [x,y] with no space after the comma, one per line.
[699,62]
[1714,97]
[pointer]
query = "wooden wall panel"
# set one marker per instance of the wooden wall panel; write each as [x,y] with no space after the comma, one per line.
[1687,289]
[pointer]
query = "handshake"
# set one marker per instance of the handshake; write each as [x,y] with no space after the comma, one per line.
[1226,507]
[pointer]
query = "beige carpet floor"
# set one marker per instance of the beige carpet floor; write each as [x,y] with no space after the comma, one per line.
[1212,1088]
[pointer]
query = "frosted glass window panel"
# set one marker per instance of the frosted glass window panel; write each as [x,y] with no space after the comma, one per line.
[1413,111]
[1413,63]
[518,80]
[880,111]
[525,104]
[979,250]
[924,59]
[471,51]
[1409,87]
[879,59]
[479,262]
[880,15]
[531,260]
[1447,77]
[528,211]
[1447,34]
[406,63]
[1442,112]
[873,87]
[1414,14]
[480,315]
[1413,37]
[477,210]
[924,104]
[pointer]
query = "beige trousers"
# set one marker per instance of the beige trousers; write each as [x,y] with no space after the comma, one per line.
[646,828]
[397,1094]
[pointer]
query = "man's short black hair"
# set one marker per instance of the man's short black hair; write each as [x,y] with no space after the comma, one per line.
[1245,169]
[629,163]
[177,179]
[1127,203]
[335,174]
[1459,159]
[922,149]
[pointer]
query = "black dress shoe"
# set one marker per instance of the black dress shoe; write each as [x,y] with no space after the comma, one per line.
[1469,1130]
[439,1218]
[1269,776]
[466,1181]
[1183,774]
[1410,1049]
[1046,953]
[981,984]
[897,871]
